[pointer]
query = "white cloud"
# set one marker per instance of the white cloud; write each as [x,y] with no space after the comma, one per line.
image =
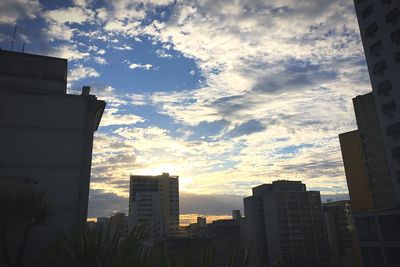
[13,10]
[113,98]
[69,51]
[123,47]
[81,72]
[163,54]
[133,66]
[139,66]
[69,15]
[83,3]
[57,31]
[100,60]
[112,117]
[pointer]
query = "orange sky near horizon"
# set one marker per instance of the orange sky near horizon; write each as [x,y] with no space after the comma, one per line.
[186,219]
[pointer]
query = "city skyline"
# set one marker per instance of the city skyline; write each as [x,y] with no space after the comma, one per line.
[226,106]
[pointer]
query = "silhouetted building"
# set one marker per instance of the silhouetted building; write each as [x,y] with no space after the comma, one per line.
[379,181]
[103,221]
[46,140]
[236,214]
[338,226]
[196,230]
[154,201]
[201,221]
[225,236]
[380,33]
[118,224]
[285,222]
[220,239]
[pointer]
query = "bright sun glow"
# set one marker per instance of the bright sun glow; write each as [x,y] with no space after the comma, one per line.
[157,170]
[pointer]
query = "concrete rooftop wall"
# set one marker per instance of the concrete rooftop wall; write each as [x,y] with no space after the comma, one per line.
[28,72]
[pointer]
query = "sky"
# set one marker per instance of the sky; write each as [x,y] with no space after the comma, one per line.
[226,94]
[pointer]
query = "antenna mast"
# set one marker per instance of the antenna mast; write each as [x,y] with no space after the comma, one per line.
[13,40]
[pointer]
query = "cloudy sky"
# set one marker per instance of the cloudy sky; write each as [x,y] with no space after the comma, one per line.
[225,94]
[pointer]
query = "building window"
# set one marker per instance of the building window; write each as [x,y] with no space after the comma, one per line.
[367,11]
[371,30]
[393,130]
[396,152]
[380,67]
[375,49]
[396,36]
[367,229]
[385,87]
[389,109]
[393,15]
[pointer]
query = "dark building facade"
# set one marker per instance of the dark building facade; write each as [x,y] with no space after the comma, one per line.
[378,120]
[339,229]
[46,140]
[379,237]
[284,222]
[379,182]
[379,23]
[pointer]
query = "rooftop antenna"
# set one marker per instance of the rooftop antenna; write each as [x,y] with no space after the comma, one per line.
[13,40]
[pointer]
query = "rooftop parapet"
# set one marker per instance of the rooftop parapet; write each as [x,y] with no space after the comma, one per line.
[32,73]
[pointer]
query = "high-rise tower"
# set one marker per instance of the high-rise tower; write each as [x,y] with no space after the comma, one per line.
[154,201]
[379,23]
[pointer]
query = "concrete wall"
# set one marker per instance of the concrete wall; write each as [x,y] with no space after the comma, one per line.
[28,72]
[46,139]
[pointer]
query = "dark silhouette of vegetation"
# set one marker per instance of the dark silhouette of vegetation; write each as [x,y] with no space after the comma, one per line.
[22,211]
[101,248]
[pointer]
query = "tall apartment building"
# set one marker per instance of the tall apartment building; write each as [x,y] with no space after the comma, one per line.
[379,23]
[378,120]
[340,236]
[284,221]
[46,140]
[154,201]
